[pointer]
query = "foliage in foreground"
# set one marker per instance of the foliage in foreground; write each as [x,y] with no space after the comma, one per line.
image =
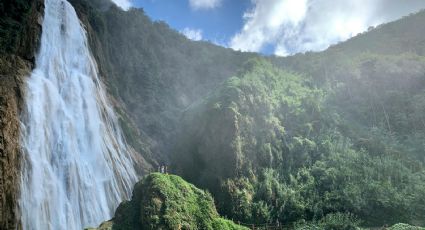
[404,227]
[333,221]
[168,202]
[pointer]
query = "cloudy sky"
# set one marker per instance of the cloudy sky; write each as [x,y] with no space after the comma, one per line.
[280,27]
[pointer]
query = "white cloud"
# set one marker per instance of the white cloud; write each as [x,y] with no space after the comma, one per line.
[302,25]
[192,34]
[204,4]
[124,4]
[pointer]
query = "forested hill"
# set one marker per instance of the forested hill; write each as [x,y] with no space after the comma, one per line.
[339,131]
[329,136]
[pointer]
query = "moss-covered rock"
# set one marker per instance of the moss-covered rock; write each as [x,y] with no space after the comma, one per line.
[107,225]
[163,201]
[405,227]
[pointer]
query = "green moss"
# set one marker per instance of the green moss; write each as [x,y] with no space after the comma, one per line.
[223,224]
[404,227]
[163,201]
[107,225]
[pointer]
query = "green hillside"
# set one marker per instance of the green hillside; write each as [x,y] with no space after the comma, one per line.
[271,146]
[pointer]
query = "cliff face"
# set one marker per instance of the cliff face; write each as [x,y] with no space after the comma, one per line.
[20,29]
[154,72]
[90,14]
[13,69]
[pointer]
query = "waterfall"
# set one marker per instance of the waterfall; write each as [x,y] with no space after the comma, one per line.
[76,168]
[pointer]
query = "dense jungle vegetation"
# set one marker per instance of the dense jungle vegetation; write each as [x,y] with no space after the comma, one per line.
[316,134]
[272,146]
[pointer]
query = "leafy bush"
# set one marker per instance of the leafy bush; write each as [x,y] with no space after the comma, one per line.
[404,227]
[339,221]
[223,224]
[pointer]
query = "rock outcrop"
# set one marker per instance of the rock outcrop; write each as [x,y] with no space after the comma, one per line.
[12,70]
[163,201]
[17,51]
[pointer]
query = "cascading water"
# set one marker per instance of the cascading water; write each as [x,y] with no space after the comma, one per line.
[76,167]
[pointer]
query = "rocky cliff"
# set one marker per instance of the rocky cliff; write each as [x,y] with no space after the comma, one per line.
[153,71]
[20,28]
[13,69]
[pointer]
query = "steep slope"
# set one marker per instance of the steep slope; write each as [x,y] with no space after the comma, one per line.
[152,70]
[19,36]
[376,79]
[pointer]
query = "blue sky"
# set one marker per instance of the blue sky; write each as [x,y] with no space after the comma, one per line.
[280,27]
[217,25]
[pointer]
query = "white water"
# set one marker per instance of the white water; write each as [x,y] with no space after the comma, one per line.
[76,167]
